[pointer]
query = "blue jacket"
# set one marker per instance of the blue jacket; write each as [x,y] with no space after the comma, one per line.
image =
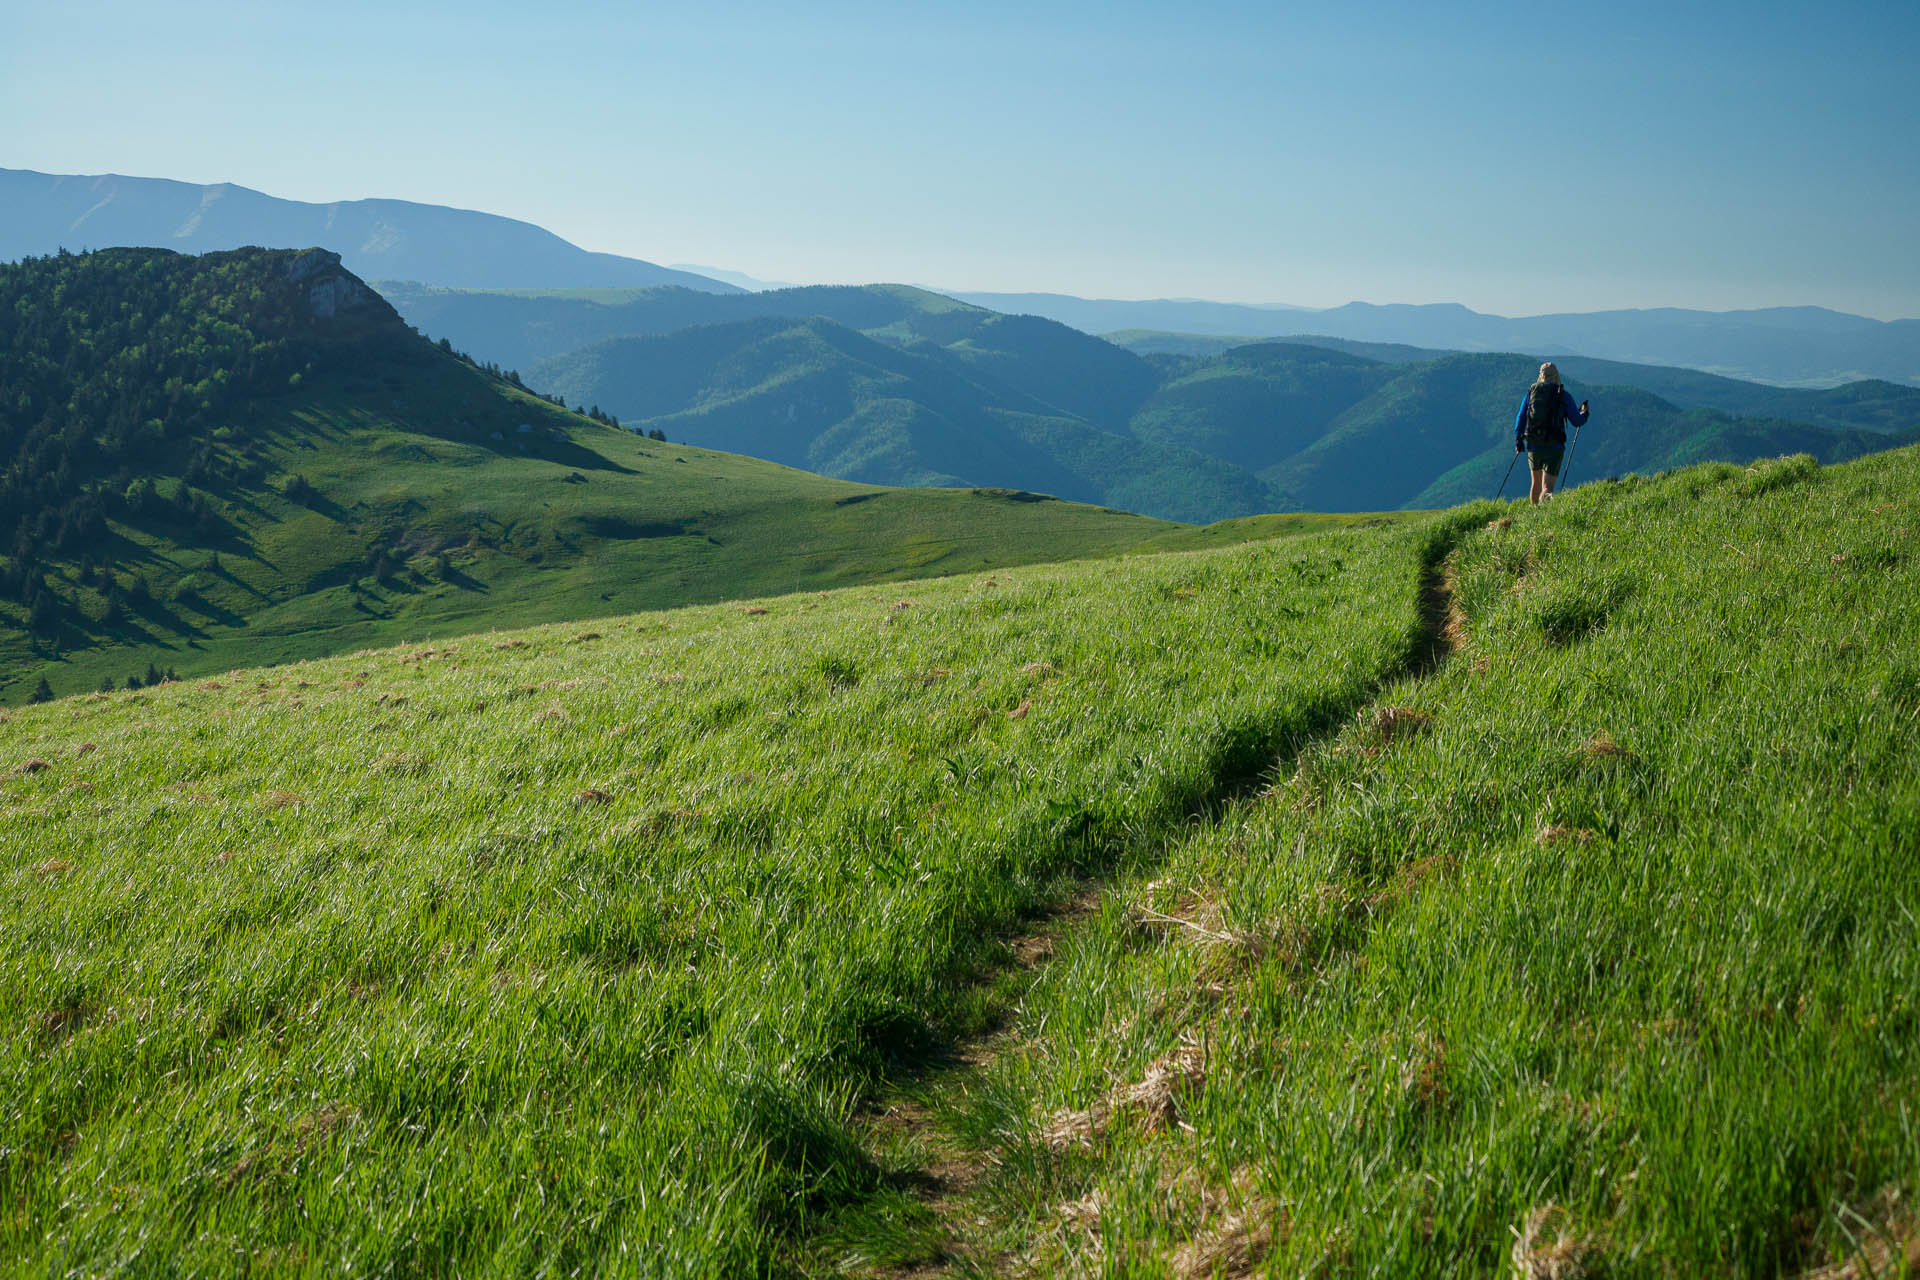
[1572,410]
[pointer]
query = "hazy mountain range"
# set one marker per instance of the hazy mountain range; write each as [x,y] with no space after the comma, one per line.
[42,213]
[1792,346]
[400,240]
[893,385]
[890,384]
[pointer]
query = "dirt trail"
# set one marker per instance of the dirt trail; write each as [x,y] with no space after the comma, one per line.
[950,1172]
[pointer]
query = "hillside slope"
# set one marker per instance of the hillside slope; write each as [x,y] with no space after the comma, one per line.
[1588,949]
[989,409]
[42,213]
[1227,432]
[249,457]
[1502,888]
[1440,431]
[1060,367]
[1870,404]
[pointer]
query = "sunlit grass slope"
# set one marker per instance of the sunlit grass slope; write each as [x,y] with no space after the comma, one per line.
[1595,953]
[420,524]
[570,950]
[204,469]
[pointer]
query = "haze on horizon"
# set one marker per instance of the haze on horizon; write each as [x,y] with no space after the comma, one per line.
[1514,160]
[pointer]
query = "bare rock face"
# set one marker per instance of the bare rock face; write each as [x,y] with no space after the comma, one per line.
[331,288]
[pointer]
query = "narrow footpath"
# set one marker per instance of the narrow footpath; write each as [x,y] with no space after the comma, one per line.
[946,1225]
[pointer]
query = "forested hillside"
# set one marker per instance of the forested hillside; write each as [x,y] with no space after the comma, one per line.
[249,457]
[125,364]
[818,395]
[1259,427]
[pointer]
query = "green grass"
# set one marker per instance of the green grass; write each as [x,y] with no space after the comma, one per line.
[535,530]
[1615,933]
[574,949]
[584,948]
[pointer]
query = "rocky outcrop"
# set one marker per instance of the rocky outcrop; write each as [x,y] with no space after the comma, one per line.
[331,288]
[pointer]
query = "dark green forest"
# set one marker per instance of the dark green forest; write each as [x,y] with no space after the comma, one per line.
[127,364]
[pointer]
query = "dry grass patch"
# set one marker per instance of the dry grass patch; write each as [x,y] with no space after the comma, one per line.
[592,796]
[1546,1248]
[1551,835]
[52,868]
[1886,1242]
[35,765]
[1423,1075]
[61,1021]
[1237,1231]
[421,655]
[282,799]
[1020,712]
[1391,723]
[1602,746]
[1155,1097]
[1410,879]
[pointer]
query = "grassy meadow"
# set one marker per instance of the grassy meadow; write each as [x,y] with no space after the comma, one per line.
[576,949]
[1596,952]
[1505,889]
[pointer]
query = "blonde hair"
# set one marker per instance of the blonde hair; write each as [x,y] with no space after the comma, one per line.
[1549,374]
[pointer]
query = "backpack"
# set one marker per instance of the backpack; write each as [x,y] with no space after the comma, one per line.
[1546,415]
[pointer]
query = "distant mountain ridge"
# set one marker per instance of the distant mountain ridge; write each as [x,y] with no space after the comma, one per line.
[1789,346]
[41,213]
[890,384]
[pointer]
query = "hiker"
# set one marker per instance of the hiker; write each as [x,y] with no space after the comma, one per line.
[1541,429]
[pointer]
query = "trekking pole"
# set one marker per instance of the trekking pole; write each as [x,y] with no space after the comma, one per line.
[1503,479]
[1564,466]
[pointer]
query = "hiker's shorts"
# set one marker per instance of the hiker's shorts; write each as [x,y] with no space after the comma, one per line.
[1548,459]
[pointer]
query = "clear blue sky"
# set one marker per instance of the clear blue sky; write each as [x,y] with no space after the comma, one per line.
[1518,158]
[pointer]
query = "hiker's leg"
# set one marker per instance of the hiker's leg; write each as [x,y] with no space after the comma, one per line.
[1539,481]
[1546,465]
